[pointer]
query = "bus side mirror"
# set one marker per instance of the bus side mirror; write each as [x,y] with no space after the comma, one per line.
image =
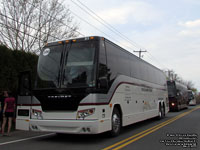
[103,82]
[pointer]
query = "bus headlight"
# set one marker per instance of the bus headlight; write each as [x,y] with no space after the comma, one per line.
[82,114]
[37,114]
[173,104]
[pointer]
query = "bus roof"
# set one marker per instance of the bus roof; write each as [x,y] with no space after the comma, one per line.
[79,39]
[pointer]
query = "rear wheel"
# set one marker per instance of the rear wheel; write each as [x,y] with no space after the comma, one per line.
[116,123]
[161,112]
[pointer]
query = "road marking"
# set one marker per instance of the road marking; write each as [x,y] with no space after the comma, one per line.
[25,139]
[140,135]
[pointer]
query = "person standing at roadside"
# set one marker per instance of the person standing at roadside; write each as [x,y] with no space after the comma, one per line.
[8,113]
[5,95]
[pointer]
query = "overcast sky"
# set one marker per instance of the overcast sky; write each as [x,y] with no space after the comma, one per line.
[168,29]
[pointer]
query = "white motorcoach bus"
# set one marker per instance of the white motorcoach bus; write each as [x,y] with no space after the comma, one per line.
[91,85]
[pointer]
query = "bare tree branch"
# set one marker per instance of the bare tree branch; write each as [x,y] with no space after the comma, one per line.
[28,24]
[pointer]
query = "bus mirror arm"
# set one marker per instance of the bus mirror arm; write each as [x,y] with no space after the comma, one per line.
[25,87]
[103,82]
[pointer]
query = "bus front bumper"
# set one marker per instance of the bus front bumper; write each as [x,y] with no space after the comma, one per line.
[70,126]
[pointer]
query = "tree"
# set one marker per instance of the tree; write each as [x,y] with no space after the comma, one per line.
[171,75]
[28,24]
[190,85]
[11,63]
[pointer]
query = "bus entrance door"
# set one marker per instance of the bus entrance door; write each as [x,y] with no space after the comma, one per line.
[23,101]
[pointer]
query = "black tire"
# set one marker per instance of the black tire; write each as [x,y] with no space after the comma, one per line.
[161,112]
[178,109]
[116,122]
[164,110]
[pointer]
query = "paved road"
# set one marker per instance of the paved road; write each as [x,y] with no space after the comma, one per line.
[176,131]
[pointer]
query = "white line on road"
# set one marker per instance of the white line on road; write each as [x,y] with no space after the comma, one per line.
[25,139]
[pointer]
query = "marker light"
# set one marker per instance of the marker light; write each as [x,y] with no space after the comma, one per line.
[91,38]
[60,42]
[74,40]
[111,105]
[173,104]
[67,41]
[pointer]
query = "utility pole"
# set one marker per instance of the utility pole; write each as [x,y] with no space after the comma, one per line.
[140,52]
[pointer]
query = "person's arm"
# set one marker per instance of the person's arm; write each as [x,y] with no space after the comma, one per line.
[14,106]
[5,106]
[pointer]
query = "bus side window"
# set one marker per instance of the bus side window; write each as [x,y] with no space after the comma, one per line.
[102,61]
[102,75]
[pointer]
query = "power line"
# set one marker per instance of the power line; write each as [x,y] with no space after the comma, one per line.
[28,26]
[155,59]
[111,28]
[99,30]
[56,19]
[103,22]
[107,25]
[6,26]
[79,18]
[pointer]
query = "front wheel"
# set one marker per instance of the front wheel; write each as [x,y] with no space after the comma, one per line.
[116,123]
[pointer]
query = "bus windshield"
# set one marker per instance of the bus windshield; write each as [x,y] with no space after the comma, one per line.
[49,67]
[171,89]
[190,95]
[70,65]
[79,65]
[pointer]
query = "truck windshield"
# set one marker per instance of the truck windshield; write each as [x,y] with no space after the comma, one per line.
[79,65]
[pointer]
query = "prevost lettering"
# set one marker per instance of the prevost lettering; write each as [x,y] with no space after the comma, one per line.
[60,96]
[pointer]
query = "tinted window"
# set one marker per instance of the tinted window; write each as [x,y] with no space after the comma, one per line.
[79,65]
[102,61]
[121,62]
[49,67]
[171,89]
[117,61]
[134,66]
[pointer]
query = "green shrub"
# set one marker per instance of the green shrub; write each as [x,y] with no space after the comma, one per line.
[12,62]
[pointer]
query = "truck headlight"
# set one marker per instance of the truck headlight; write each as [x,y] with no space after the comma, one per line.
[82,114]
